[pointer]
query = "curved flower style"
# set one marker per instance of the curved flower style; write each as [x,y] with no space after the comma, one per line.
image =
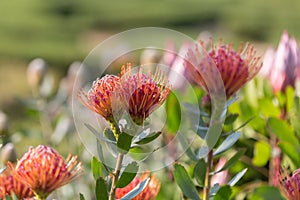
[98,98]
[290,184]
[235,67]
[282,67]
[44,170]
[149,193]
[9,185]
[142,93]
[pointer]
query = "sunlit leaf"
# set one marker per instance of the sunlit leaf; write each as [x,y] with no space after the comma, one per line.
[227,143]
[291,151]
[262,152]
[96,168]
[185,183]
[173,110]
[128,175]
[266,193]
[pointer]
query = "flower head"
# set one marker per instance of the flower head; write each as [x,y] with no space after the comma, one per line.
[44,170]
[149,192]
[10,185]
[235,67]
[98,98]
[142,93]
[290,183]
[282,66]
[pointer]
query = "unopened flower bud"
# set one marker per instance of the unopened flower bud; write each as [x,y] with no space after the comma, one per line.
[3,122]
[8,153]
[36,72]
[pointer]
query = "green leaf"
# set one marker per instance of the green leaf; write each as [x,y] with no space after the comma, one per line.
[223,193]
[237,177]
[184,182]
[290,93]
[291,151]
[98,135]
[230,119]
[81,197]
[282,130]
[109,134]
[262,152]
[147,138]
[128,175]
[101,189]
[185,145]
[173,110]
[227,143]
[136,190]
[124,142]
[199,172]
[231,161]
[96,168]
[267,107]
[266,193]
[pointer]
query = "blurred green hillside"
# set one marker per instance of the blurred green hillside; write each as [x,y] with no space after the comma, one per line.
[60,31]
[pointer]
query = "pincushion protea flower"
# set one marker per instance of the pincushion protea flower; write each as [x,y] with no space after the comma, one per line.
[142,93]
[10,185]
[290,183]
[44,170]
[149,192]
[235,67]
[98,98]
[282,67]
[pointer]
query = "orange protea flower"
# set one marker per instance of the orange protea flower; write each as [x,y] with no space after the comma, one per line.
[9,185]
[290,184]
[44,170]
[235,67]
[149,192]
[98,98]
[142,93]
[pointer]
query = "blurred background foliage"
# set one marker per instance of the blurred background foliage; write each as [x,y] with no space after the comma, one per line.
[64,31]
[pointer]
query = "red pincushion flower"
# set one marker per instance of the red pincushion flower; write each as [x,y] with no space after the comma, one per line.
[98,98]
[142,93]
[235,67]
[290,184]
[9,185]
[44,170]
[149,192]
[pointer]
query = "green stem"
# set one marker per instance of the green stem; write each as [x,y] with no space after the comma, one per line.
[207,175]
[116,176]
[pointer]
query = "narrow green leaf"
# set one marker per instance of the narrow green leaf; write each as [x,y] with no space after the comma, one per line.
[185,145]
[149,138]
[81,197]
[290,151]
[101,189]
[266,193]
[282,130]
[185,183]
[231,118]
[109,134]
[199,172]
[267,107]
[231,161]
[124,142]
[262,152]
[237,177]
[96,168]
[227,143]
[98,135]
[128,175]
[136,190]
[223,193]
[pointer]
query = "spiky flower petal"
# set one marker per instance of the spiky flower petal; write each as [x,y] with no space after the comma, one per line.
[142,93]
[149,192]
[98,98]
[235,67]
[290,183]
[44,170]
